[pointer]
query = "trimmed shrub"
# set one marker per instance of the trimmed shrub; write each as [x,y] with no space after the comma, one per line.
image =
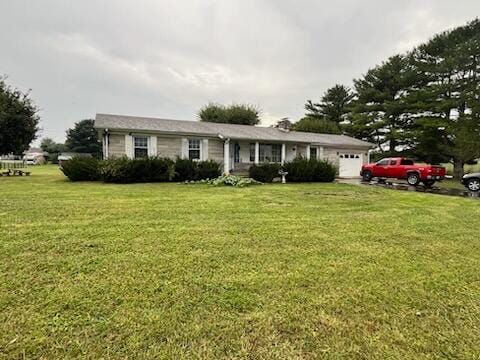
[185,169]
[303,170]
[189,170]
[150,169]
[265,172]
[82,169]
[208,170]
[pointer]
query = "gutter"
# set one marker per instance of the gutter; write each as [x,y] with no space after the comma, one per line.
[142,131]
[222,137]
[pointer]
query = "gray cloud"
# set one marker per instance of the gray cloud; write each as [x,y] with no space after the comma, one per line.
[167,58]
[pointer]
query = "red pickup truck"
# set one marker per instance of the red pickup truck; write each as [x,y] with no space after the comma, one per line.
[404,169]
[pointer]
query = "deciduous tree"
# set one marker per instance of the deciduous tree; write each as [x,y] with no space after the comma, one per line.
[18,120]
[241,114]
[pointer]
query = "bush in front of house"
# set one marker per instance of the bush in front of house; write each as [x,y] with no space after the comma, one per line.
[303,170]
[82,169]
[185,169]
[124,170]
[208,170]
[264,172]
[189,170]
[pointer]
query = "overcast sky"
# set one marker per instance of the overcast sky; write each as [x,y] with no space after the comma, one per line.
[167,58]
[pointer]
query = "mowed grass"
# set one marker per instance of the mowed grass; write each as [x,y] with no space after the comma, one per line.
[91,270]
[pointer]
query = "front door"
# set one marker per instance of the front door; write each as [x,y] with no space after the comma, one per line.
[236,153]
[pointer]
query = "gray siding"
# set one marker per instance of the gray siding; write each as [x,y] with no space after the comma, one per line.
[301,150]
[330,154]
[170,147]
[215,150]
[116,145]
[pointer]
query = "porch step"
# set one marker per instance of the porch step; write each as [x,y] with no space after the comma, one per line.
[241,173]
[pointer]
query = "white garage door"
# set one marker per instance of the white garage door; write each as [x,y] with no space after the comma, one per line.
[350,165]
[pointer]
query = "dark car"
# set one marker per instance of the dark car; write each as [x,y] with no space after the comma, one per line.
[472,181]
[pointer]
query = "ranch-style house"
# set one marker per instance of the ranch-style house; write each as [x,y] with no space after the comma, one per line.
[236,147]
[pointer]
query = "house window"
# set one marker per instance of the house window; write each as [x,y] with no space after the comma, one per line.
[252,152]
[313,153]
[270,153]
[276,153]
[194,149]
[140,146]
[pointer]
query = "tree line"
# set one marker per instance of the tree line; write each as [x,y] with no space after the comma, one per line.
[81,138]
[424,103]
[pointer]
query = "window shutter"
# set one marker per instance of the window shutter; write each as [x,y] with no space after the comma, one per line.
[184,148]
[205,149]
[152,149]
[129,146]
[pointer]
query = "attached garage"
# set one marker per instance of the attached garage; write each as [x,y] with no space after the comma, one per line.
[350,164]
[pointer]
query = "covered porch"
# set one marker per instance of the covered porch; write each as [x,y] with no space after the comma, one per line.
[239,155]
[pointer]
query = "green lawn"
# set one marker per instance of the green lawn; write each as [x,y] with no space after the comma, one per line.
[90,270]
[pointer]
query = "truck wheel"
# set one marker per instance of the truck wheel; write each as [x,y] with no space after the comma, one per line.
[473,184]
[413,179]
[428,183]
[367,176]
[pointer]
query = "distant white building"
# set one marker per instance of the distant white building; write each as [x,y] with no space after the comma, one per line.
[35,156]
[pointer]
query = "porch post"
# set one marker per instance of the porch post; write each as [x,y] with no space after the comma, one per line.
[283,154]
[107,145]
[226,157]
[321,152]
[257,152]
[308,152]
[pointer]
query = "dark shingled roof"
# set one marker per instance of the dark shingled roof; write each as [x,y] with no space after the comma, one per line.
[240,132]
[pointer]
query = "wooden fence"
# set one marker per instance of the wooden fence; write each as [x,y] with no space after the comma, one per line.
[12,164]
